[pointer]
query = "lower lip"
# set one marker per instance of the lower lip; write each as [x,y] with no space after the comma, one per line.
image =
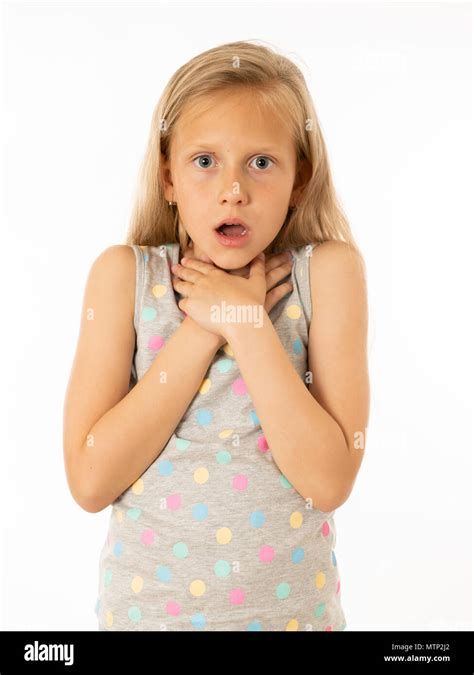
[233,242]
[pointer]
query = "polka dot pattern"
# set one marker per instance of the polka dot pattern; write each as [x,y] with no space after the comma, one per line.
[213,536]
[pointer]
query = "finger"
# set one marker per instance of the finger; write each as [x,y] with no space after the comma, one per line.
[257,266]
[275,260]
[183,287]
[185,273]
[278,273]
[276,294]
[199,265]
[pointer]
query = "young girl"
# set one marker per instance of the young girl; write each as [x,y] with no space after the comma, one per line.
[219,397]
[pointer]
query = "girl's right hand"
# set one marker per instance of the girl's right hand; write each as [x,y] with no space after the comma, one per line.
[277,267]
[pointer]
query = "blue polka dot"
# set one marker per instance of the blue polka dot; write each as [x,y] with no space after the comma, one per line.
[255,625]
[333,557]
[297,346]
[254,417]
[165,467]
[163,573]
[257,519]
[204,416]
[198,620]
[297,555]
[145,257]
[118,549]
[200,511]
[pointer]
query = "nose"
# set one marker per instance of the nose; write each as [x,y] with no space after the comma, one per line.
[233,190]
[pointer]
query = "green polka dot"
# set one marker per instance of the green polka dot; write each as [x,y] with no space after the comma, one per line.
[133,514]
[148,313]
[107,577]
[222,568]
[284,482]
[180,550]
[224,365]
[319,610]
[223,457]
[283,590]
[182,444]
[134,614]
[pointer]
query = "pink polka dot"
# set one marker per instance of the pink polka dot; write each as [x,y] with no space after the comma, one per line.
[262,444]
[328,628]
[236,596]
[240,482]
[156,342]
[326,529]
[338,590]
[239,387]
[173,608]
[148,537]
[173,502]
[266,553]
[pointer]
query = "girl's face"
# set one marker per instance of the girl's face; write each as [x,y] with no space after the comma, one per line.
[231,161]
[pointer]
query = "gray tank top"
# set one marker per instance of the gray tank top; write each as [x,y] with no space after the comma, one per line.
[212,536]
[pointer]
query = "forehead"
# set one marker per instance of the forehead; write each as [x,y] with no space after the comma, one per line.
[231,117]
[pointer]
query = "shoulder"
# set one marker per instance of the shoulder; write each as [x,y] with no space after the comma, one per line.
[114,269]
[337,273]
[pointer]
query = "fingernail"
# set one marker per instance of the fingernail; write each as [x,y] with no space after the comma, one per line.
[261,256]
[183,260]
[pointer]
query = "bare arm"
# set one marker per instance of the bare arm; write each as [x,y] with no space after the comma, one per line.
[110,436]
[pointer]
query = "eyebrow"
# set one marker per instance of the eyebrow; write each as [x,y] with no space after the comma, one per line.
[198,145]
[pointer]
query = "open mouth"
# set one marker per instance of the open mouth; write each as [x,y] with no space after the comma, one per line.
[231,230]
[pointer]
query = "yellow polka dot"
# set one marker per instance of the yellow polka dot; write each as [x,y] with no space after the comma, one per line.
[158,290]
[296,519]
[225,433]
[320,580]
[138,487]
[201,475]
[109,618]
[119,515]
[292,625]
[293,311]
[228,349]
[205,386]
[197,588]
[137,584]
[223,535]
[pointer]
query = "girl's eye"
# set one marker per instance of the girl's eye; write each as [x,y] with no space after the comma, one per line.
[260,157]
[207,160]
[201,157]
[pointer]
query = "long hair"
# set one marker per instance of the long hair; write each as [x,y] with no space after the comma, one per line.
[275,81]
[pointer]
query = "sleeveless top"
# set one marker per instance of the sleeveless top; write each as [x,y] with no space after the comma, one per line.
[212,536]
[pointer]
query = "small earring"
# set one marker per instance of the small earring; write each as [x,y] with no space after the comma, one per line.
[172,203]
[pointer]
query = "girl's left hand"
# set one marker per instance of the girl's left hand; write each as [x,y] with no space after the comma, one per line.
[205,286]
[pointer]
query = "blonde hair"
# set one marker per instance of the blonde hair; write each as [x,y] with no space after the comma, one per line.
[275,81]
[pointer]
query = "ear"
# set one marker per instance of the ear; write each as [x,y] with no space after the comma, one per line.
[302,177]
[165,178]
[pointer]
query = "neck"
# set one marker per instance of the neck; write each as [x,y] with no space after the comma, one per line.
[195,252]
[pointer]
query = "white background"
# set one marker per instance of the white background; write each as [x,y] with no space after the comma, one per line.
[392,88]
